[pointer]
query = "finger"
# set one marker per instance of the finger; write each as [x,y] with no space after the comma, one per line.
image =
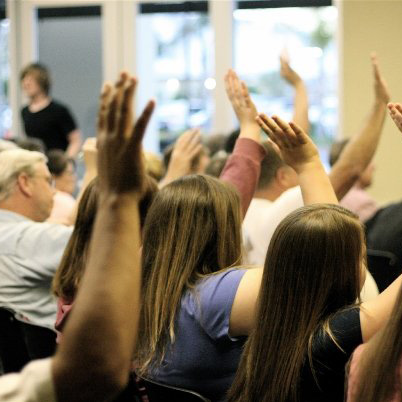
[113,112]
[141,124]
[263,126]
[398,107]
[103,103]
[126,110]
[287,131]
[246,95]
[195,151]
[275,132]
[376,69]
[301,136]
[120,116]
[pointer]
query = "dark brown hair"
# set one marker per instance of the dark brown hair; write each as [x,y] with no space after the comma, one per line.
[269,166]
[73,262]
[41,74]
[312,269]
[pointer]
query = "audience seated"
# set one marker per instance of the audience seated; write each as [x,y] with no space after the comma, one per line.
[307,323]
[375,370]
[92,364]
[30,249]
[62,169]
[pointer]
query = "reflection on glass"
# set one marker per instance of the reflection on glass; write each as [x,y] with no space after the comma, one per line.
[176,55]
[307,36]
[5,111]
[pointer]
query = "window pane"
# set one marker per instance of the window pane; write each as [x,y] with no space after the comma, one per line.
[5,111]
[307,36]
[175,58]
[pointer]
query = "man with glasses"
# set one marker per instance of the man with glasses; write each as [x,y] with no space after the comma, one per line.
[30,251]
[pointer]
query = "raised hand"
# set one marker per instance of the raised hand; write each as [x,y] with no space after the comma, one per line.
[120,164]
[288,73]
[380,86]
[185,150]
[395,111]
[240,99]
[295,145]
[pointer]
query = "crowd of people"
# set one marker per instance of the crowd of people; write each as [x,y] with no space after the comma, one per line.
[236,268]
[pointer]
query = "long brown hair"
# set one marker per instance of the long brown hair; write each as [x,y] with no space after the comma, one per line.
[192,230]
[312,269]
[380,361]
[72,265]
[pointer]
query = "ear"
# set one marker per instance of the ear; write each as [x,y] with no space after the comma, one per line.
[24,184]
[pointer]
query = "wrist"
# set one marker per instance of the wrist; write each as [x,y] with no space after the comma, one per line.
[313,163]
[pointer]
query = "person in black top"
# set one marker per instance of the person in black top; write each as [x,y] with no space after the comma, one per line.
[45,118]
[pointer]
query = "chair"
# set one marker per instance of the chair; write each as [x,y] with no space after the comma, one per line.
[384,267]
[158,392]
[13,351]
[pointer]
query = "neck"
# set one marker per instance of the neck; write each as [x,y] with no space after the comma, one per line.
[13,205]
[39,100]
[271,193]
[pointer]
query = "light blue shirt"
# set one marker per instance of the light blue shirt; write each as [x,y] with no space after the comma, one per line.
[30,253]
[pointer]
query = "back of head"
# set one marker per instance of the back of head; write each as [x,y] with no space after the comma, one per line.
[12,163]
[313,269]
[335,151]
[31,144]
[231,141]
[216,164]
[192,230]
[58,161]
[269,166]
[72,265]
[40,73]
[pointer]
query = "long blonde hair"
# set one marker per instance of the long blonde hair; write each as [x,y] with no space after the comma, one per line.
[312,270]
[192,230]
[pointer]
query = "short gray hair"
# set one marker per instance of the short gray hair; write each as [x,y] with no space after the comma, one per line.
[12,163]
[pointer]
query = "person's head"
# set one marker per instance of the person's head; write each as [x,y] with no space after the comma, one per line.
[366,177]
[26,185]
[215,143]
[63,170]
[313,269]
[31,144]
[153,165]
[72,265]
[192,230]
[274,171]
[231,141]
[35,79]
[7,145]
[216,164]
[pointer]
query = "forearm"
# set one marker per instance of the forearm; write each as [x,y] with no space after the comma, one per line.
[74,144]
[315,184]
[359,151]
[242,169]
[110,288]
[300,108]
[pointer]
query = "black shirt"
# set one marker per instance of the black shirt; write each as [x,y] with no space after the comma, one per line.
[52,125]
[329,360]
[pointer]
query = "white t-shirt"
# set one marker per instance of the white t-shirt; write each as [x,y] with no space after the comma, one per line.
[33,384]
[262,219]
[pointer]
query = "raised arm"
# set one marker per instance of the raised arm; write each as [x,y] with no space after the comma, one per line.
[299,152]
[74,143]
[300,107]
[93,361]
[242,168]
[360,150]
[186,149]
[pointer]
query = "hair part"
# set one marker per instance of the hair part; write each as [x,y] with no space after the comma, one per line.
[312,270]
[13,162]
